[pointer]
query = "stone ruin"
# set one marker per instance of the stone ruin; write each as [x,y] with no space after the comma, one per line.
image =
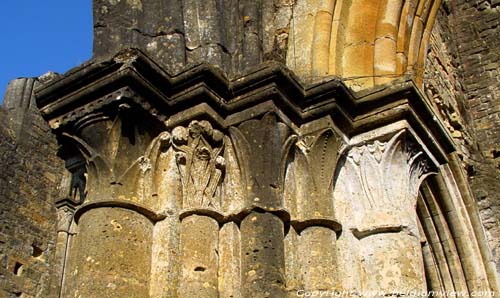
[249,148]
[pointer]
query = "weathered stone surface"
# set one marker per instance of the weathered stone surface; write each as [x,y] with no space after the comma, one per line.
[197,169]
[392,264]
[30,178]
[230,261]
[110,255]
[199,242]
[262,256]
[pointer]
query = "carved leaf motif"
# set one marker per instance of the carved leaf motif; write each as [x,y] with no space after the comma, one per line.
[262,146]
[199,150]
[389,172]
[321,153]
[314,168]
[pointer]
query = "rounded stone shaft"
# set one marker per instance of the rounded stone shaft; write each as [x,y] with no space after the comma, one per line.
[199,257]
[393,264]
[111,255]
[317,248]
[263,260]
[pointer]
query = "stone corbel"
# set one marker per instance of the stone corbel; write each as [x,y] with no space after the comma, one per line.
[65,214]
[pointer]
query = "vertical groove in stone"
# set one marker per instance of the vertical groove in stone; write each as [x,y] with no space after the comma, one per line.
[433,277]
[233,200]
[294,281]
[447,244]
[446,260]
[262,253]
[338,31]
[230,261]
[318,250]
[68,281]
[321,37]
[298,57]
[165,258]
[349,263]
[268,28]
[385,40]
[232,33]
[113,255]
[252,41]
[199,257]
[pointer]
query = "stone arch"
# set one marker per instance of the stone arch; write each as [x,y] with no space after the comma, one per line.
[452,258]
[367,43]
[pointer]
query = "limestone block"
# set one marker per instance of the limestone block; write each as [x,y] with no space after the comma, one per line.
[230,261]
[349,270]
[389,17]
[357,65]
[199,240]
[111,255]
[362,17]
[262,256]
[385,60]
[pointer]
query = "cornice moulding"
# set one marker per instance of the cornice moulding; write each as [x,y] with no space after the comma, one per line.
[203,91]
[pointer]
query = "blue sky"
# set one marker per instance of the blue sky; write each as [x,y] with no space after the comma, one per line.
[40,36]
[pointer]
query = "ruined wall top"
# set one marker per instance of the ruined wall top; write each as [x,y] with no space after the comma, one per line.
[366,43]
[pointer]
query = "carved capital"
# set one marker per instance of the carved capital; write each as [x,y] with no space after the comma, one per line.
[198,154]
[384,176]
[65,214]
[309,177]
[262,146]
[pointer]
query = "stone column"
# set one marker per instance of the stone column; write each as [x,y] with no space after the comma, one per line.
[65,213]
[261,146]
[262,255]
[198,153]
[382,178]
[199,257]
[111,254]
[309,197]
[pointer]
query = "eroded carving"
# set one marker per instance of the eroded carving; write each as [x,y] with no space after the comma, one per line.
[198,153]
[262,146]
[389,172]
[309,180]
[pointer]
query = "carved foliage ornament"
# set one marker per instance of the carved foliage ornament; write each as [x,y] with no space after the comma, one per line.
[389,173]
[198,153]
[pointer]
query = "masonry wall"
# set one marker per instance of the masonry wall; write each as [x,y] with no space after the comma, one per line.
[477,34]
[461,81]
[30,173]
